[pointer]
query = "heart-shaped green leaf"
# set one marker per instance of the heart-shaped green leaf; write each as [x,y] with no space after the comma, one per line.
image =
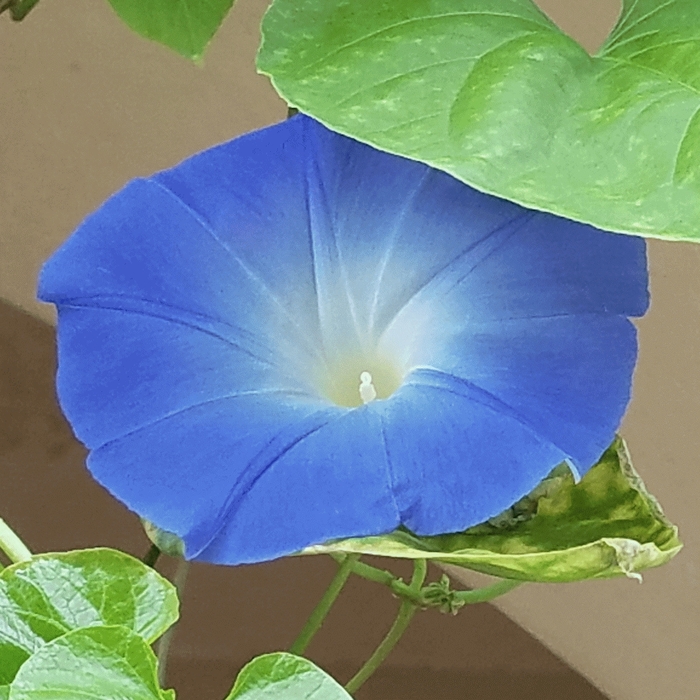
[55,593]
[495,94]
[93,662]
[606,525]
[283,676]
[185,26]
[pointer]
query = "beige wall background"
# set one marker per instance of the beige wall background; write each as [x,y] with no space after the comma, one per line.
[85,105]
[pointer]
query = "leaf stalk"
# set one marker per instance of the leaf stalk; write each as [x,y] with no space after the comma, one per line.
[12,545]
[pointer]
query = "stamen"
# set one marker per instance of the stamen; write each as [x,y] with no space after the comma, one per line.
[367,391]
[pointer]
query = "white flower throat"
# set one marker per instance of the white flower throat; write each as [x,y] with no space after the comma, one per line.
[378,379]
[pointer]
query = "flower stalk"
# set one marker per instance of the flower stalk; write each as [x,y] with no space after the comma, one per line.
[179,581]
[151,556]
[313,624]
[403,619]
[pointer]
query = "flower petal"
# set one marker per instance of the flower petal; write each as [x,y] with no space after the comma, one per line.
[369,217]
[121,370]
[145,247]
[248,478]
[557,267]
[337,477]
[567,377]
[458,456]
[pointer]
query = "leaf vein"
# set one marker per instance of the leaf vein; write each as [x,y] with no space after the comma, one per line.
[665,76]
[370,134]
[675,42]
[623,19]
[629,40]
[643,18]
[683,137]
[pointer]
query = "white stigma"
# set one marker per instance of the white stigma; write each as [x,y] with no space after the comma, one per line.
[367,391]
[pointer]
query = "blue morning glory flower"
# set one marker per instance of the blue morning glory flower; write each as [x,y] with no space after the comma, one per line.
[294,337]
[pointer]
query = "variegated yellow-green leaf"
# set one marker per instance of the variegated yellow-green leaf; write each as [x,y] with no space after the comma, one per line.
[606,525]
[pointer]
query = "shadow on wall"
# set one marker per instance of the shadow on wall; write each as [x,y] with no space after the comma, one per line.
[232,614]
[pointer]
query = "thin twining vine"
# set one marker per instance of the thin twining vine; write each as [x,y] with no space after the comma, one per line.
[414,596]
[403,619]
[435,595]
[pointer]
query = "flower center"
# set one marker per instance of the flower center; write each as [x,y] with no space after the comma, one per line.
[354,381]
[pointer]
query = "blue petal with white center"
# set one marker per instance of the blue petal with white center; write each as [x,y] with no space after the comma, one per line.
[294,337]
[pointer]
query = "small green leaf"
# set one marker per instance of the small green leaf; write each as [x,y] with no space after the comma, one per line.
[494,93]
[4,692]
[606,525]
[93,662]
[54,593]
[284,676]
[186,26]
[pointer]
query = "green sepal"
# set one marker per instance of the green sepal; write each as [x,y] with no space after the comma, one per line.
[606,525]
[283,676]
[168,542]
[96,662]
[494,93]
[186,26]
[53,594]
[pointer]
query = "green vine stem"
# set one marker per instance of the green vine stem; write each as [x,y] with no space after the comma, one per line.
[433,595]
[12,545]
[386,578]
[179,581]
[483,595]
[313,624]
[403,619]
